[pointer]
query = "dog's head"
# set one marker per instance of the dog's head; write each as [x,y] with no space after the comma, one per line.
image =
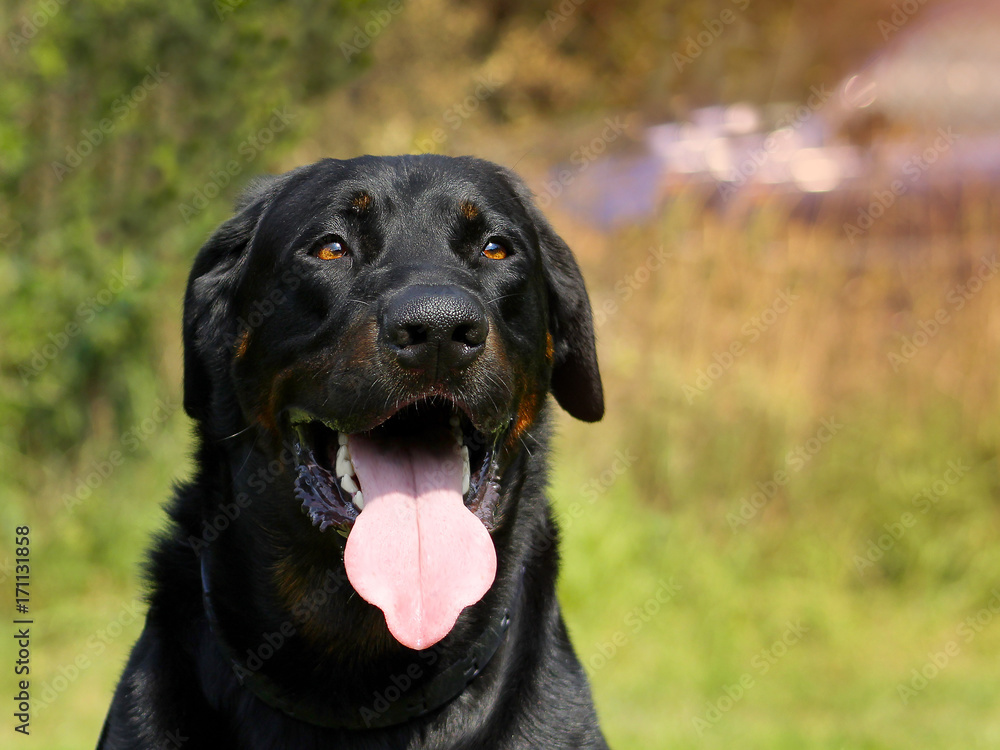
[392,326]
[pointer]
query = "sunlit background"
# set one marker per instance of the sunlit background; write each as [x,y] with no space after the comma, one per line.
[784,534]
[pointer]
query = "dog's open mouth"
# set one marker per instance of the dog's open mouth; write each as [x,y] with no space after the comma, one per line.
[416,497]
[327,481]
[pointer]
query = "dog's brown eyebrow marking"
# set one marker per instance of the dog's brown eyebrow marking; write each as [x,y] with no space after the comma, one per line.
[469,210]
[361,202]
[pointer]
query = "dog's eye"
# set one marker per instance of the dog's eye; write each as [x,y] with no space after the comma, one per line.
[331,250]
[495,251]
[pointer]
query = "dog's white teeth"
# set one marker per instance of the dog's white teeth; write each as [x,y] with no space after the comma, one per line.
[466,470]
[345,467]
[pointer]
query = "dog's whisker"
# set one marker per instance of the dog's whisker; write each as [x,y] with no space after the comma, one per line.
[502,296]
[253,445]
[235,434]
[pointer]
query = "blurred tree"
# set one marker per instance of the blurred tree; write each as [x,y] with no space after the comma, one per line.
[121,125]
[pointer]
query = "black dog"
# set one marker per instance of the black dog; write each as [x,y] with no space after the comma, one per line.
[365,557]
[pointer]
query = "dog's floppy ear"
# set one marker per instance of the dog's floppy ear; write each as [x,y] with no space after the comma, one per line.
[576,379]
[209,322]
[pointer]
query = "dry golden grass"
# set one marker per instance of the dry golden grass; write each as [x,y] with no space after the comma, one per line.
[701,453]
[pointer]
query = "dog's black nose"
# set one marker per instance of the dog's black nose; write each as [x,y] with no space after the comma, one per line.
[435,328]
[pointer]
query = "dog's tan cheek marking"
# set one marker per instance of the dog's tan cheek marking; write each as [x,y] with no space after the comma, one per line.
[359,367]
[296,590]
[241,345]
[267,413]
[362,344]
[527,411]
[527,408]
[287,581]
[301,589]
[550,347]
[495,357]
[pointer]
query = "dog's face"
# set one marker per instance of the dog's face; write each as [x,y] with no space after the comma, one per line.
[392,326]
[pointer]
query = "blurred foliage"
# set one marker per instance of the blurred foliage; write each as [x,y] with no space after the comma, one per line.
[117,123]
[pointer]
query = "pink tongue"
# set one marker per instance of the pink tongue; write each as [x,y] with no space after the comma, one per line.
[416,552]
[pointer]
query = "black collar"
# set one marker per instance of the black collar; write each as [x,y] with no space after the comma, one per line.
[413,703]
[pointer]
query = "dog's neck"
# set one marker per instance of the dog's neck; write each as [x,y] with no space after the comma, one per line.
[405,696]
